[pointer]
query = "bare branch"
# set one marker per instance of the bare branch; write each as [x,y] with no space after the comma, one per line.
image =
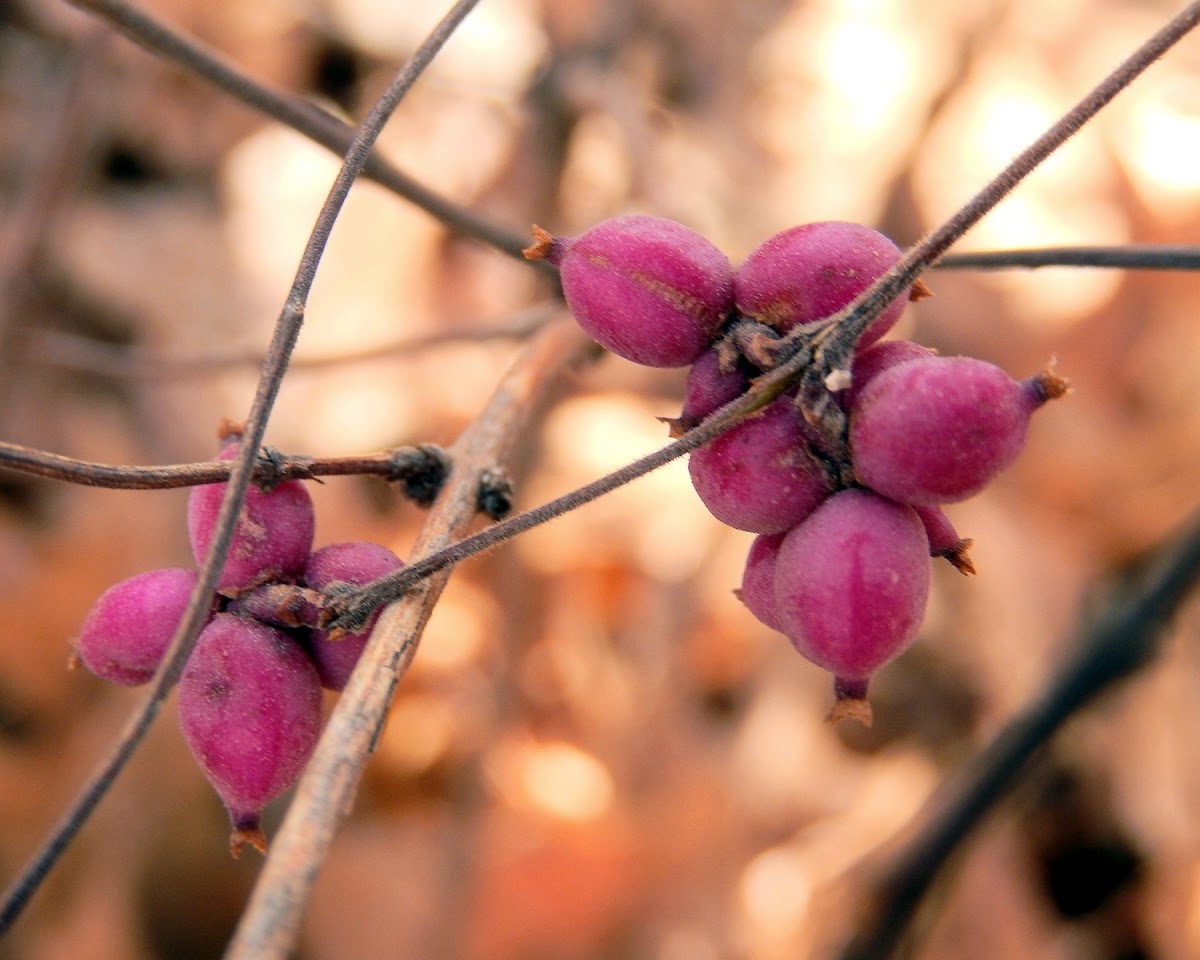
[301,115]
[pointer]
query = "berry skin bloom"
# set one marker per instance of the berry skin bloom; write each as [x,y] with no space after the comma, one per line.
[650,290]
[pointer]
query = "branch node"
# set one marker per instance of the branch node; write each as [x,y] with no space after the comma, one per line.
[422,471]
[495,496]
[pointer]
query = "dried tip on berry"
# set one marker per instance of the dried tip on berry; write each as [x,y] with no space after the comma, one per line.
[852,703]
[249,834]
[920,290]
[543,246]
[1049,385]
[957,555]
[73,661]
[230,429]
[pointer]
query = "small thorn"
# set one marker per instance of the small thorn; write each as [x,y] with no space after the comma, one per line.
[919,291]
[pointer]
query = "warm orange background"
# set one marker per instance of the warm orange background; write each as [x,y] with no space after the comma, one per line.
[598,753]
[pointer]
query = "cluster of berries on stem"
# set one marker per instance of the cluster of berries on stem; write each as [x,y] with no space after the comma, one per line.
[250,700]
[843,484]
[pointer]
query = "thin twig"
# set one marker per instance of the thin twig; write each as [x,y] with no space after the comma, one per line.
[287,330]
[1131,257]
[1125,637]
[352,610]
[325,794]
[857,316]
[301,115]
[269,470]
[53,348]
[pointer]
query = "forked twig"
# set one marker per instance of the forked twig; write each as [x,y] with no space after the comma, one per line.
[287,330]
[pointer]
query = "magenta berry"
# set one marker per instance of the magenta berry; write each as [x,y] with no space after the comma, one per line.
[873,360]
[130,626]
[650,290]
[938,430]
[250,710]
[353,563]
[812,271]
[851,584]
[758,580]
[710,386]
[274,533]
[760,475]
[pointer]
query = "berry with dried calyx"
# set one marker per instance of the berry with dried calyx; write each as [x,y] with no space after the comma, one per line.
[758,580]
[761,475]
[937,430]
[273,537]
[851,583]
[250,710]
[810,272]
[650,290]
[130,626]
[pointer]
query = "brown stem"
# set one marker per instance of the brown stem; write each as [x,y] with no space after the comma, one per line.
[269,925]
[401,464]
[307,118]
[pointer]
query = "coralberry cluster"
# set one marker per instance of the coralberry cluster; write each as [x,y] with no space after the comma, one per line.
[250,702]
[846,524]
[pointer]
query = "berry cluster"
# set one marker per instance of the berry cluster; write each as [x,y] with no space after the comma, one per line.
[250,701]
[846,525]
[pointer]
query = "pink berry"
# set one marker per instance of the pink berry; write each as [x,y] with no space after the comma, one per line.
[250,710]
[760,475]
[812,271]
[709,387]
[873,360]
[938,430]
[131,625]
[274,533]
[758,580]
[851,584]
[650,290]
[354,563]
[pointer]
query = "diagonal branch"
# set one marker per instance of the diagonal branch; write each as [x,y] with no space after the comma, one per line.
[301,115]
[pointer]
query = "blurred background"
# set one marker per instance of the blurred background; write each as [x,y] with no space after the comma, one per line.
[598,752]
